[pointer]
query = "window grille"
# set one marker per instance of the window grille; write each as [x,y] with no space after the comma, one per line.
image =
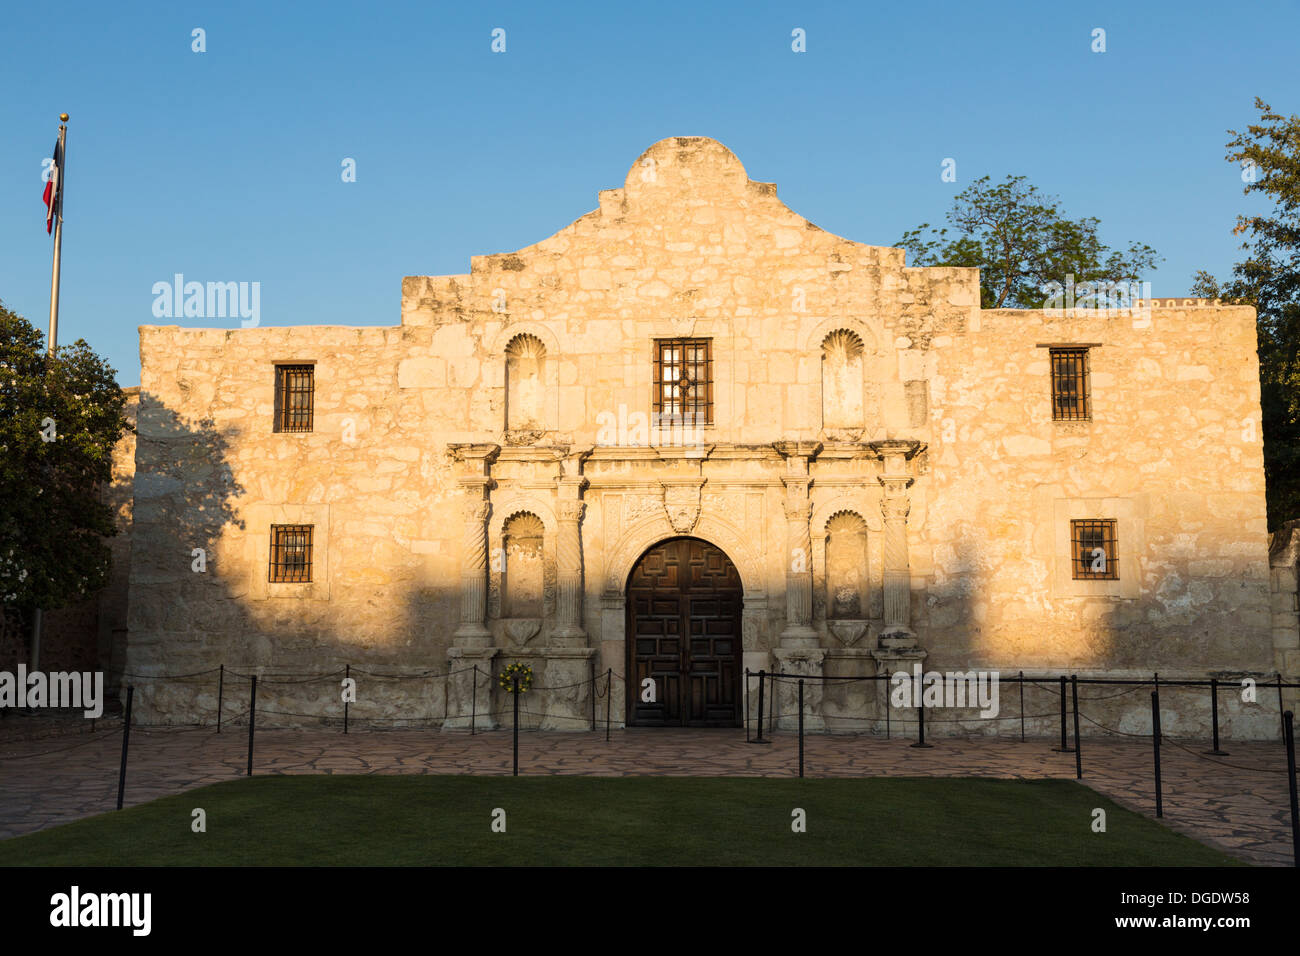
[295,392]
[683,381]
[291,553]
[1093,549]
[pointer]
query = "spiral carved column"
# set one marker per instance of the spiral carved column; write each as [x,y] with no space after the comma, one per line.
[568,611]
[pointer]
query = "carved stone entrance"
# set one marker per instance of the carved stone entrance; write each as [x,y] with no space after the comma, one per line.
[683,632]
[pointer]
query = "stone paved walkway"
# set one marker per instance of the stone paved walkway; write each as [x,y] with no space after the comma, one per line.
[58,779]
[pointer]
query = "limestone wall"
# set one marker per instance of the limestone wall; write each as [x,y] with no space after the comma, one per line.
[815,339]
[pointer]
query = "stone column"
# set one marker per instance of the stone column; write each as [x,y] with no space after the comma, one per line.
[568,572]
[566,700]
[894,507]
[800,653]
[798,631]
[472,641]
[473,576]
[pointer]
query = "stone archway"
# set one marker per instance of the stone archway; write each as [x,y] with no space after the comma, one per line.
[684,643]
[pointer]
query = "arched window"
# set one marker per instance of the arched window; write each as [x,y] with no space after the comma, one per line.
[847,594]
[842,356]
[521,578]
[525,389]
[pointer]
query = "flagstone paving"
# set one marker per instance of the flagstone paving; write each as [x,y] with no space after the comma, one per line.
[1238,803]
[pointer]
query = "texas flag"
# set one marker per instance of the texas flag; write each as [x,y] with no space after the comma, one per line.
[53,189]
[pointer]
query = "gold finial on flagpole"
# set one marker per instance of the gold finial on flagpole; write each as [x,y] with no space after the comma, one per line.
[64,117]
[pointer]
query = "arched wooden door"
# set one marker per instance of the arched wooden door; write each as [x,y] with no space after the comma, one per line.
[684,600]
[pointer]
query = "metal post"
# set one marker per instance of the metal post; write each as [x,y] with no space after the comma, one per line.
[609,699]
[1022,707]
[747,705]
[515,680]
[801,727]
[921,726]
[1078,748]
[1280,705]
[1289,728]
[1065,744]
[762,683]
[347,676]
[1155,739]
[1214,711]
[888,707]
[221,690]
[771,710]
[252,714]
[126,740]
[593,701]
[473,702]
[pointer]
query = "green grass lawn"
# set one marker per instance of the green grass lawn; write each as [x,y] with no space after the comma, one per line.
[684,821]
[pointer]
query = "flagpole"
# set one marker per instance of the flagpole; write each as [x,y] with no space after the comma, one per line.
[52,342]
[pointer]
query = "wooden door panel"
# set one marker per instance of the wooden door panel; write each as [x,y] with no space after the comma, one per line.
[684,603]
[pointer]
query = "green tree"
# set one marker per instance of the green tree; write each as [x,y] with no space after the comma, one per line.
[60,417]
[1020,242]
[1268,278]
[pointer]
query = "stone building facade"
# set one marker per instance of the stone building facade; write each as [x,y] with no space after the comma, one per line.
[693,434]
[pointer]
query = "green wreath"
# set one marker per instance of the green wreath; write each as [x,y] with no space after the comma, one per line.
[522,671]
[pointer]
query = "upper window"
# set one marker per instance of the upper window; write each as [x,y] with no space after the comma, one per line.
[290,553]
[1070,399]
[683,383]
[1093,544]
[295,393]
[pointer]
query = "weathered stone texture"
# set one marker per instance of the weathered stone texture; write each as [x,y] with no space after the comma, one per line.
[845,383]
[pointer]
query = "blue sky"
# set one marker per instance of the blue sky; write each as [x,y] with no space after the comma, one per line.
[225,165]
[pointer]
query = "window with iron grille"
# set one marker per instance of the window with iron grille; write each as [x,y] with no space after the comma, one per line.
[1093,547]
[1070,400]
[295,392]
[683,382]
[291,553]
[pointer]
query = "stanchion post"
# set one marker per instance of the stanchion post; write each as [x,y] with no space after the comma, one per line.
[221,690]
[126,740]
[252,714]
[1214,721]
[515,680]
[920,742]
[1280,706]
[888,707]
[347,675]
[1078,747]
[593,701]
[1022,707]
[746,705]
[1288,726]
[800,726]
[762,683]
[1155,739]
[609,699]
[1065,743]
[473,701]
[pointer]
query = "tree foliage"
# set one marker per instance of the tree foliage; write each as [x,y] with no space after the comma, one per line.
[1268,278]
[1020,242]
[60,417]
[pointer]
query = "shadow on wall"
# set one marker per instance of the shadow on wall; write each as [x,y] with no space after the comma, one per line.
[1179,627]
[192,607]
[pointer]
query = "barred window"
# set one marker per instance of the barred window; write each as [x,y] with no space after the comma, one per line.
[291,553]
[1070,400]
[1094,552]
[295,392]
[683,381]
